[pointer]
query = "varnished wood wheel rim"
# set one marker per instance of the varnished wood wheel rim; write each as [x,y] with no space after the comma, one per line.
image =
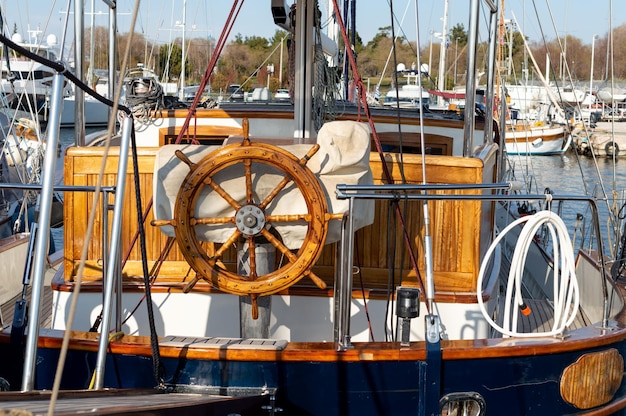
[208,266]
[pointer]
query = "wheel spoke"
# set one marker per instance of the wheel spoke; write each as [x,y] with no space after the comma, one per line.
[279,245]
[318,282]
[192,283]
[211,221]
[255,306]
[252,258]
[247,164]
[269,198]
[185,159]
[221,192]
[288,218]
[233,238]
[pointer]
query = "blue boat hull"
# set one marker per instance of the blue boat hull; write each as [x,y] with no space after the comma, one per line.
[512,385]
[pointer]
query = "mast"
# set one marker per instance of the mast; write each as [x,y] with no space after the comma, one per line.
[470,82]
[182,71]
[442,53]
[501,40]
[305,11]
[92,45]
[79,53]
[112,48]
[593,42]
[498,91]
[346,7]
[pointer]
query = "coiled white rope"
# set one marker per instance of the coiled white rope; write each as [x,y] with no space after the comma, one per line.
[565,285]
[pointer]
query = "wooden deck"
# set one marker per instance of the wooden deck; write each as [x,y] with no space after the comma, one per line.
[541,318]
[7,309]
[129,402]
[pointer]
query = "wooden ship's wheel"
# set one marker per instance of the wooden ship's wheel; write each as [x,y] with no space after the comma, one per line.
[251,219]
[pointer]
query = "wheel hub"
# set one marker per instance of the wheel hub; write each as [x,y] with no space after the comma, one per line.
[250,220]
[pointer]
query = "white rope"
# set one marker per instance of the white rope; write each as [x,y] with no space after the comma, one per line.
[565,285]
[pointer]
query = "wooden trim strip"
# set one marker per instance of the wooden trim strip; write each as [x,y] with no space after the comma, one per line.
[13,241]
[578,340]
[390,117]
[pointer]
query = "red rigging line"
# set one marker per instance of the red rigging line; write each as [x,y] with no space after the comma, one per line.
[219,46]
[363,101]
[217,52]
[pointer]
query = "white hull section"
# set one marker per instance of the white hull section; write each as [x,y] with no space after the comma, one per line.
[293,318]
[148,133]
[541,141]
[96,113]
[13,259]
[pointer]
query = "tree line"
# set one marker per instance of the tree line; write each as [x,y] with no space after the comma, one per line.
[256,61]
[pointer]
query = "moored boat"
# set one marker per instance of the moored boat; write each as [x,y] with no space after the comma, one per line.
[28,84]
[608,140]
[523,139]
[287,265]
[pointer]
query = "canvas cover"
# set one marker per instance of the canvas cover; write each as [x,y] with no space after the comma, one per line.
[343,158]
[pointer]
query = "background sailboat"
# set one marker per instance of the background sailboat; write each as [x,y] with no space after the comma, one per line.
[549,131]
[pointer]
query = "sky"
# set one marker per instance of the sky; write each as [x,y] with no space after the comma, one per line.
[158,18]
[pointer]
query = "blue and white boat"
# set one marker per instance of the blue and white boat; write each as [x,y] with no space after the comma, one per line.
[242,260]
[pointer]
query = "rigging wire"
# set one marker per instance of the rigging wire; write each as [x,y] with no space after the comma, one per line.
[529,169]
[324,93]
[221,42]
[89,230]
[612,221]
[427,242]
[393,17]
[395,77]
[605,198]
[392,246]
[149,56]
[362,101]
[262,64]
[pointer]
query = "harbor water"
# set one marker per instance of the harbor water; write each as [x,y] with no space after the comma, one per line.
[570,174]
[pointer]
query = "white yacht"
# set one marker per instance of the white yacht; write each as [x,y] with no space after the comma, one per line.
[29,81]
[27,84]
